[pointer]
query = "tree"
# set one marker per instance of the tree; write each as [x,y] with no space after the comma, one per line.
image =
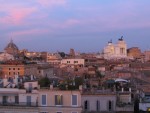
[44,82]
[100,76]
[78,81]
[71,84]
[62,54]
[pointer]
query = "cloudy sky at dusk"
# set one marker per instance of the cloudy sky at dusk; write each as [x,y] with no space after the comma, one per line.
[85,25]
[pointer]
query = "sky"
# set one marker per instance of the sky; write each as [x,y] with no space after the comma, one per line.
[85,25]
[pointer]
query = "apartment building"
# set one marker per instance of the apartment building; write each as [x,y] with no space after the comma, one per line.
[144,101]
[15,100]
[73,62]
[12,68]
[58,101]
[98,102]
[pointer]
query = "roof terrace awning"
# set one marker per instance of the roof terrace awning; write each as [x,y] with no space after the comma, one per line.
[120,80]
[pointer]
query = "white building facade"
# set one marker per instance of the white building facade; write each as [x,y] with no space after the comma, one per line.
[116,51]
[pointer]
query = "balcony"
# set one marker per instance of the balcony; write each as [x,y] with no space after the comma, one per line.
[20,104]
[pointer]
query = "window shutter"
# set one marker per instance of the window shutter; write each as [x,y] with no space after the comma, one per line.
[61,100]
[55,99]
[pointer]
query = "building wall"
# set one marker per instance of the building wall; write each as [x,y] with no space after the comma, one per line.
[53,58]
[45,72]
[10,99]
[15,109]
[117,51]
[125,98]
[103,102]
[73,61]
[39,71]
[134,52]
[147,55]
[6,56]
[67,105]
[12,70]
[34,84]
[31,69]
[23,98]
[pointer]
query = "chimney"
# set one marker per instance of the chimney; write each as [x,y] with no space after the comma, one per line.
[5,82]
[122,89]
[31,77]
[16,79]
[51,87]
[129,89]
[81,88]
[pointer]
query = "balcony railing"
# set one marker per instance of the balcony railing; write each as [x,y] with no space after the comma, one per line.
[25,104]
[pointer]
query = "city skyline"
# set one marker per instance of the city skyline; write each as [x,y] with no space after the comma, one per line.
[86,26]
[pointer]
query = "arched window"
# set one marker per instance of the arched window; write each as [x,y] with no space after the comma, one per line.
[86,105]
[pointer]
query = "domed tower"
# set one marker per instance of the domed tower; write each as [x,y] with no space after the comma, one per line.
[11,48]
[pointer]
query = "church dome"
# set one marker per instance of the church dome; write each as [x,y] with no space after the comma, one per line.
[11,48]
[11,45]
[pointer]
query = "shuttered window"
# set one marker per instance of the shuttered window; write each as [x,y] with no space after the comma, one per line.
[44,100]
[74,100]
[58,100]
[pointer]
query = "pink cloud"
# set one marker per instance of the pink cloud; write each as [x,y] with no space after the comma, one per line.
[51,2]
[16,16]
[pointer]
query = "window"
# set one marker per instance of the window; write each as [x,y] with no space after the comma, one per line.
[74,100]
[9,73]
[39,71]
[75,62]
[97,105]
[14,73]
[16,99]
[13,68]
[28,100]
[58,100]
[58,112]
[9,68]
[5,99]
[18,68]
[30,87]
[68,62]
[110,107]
[44,100]
[86,105]
[18,73]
